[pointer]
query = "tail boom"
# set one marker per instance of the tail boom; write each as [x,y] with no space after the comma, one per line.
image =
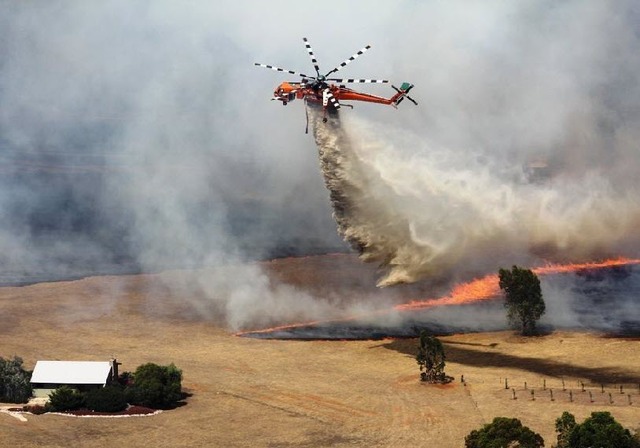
[344,94]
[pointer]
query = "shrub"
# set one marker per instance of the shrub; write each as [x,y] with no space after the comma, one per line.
[65,398]
[503,432]
[125,379]
[564,425]
[106,399]
[35,409]
[156,386]
[600,430]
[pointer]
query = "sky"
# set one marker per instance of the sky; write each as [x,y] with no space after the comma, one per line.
[138,135]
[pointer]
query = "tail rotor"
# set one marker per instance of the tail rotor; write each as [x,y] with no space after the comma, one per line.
[402,93]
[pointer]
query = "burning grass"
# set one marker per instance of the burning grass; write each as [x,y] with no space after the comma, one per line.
[473,292]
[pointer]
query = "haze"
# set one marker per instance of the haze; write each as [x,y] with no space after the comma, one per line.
[139,136]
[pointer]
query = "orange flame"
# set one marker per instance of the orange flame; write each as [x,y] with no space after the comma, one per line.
[488,287]
[476,290]
[562,268]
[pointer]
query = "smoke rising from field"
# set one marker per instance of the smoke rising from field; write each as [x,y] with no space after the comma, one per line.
[131,139]
[138,135]
[439,209]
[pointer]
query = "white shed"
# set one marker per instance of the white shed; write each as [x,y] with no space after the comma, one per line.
[82,375]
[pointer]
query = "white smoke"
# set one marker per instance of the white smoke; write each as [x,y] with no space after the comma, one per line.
[139,135]
[429,209]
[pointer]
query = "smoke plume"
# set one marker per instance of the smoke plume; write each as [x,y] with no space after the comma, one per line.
[138,136]
[421,210]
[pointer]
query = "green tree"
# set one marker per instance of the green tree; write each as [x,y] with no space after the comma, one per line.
[65,398]
[600,430]
[15,385]
[431,359]
[564,425]
[524,301]
[503,432]
[156,386]
[106,399]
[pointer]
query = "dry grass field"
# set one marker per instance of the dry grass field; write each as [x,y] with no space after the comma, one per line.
[269,393]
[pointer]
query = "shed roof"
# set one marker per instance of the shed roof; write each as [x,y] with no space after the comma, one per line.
[71,372]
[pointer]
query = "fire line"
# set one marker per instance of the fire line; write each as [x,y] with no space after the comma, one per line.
[476,290]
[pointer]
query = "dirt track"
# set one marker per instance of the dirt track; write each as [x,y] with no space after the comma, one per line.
[250,392]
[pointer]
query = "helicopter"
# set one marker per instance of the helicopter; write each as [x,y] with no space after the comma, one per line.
[320,89]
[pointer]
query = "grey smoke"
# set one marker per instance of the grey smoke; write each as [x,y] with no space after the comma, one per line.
[131,134]
[138,136]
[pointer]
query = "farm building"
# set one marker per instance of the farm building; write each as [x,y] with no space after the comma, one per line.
[82,375]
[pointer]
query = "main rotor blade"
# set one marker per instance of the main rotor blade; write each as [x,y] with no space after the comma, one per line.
[358,81]
[314,61]
[348,61]
[278,69]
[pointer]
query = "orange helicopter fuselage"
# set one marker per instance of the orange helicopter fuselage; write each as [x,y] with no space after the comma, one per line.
[289,91]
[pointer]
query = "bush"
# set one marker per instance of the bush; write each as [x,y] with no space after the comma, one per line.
[156,386]
[125,379]
[564,425]
[106,399]
[15,386]
[35,409]
[600,430]
[503,432]
[65,398]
